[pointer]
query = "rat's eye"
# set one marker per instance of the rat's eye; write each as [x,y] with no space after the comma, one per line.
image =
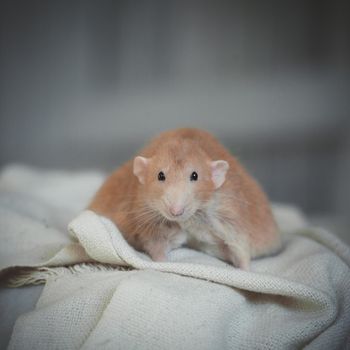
[194,176]
[161,176]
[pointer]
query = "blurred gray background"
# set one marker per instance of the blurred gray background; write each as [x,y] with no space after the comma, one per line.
[84,84]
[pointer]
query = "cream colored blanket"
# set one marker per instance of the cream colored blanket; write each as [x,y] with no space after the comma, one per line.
[102,294]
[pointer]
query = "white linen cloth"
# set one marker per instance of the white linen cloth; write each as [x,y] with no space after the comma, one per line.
[298,298]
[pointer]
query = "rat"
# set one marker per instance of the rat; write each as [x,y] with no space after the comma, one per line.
[186,188]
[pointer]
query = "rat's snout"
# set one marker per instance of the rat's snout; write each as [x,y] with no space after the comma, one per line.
[175,201]
[177,210]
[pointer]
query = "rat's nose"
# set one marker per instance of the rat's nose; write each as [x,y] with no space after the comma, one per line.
[176,210]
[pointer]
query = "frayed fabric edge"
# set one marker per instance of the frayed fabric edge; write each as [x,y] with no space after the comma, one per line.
[23,276]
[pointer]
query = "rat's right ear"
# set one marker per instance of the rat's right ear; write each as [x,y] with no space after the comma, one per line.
[140,167]
[219,169]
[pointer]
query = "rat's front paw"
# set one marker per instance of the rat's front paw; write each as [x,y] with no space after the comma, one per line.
[156,251]
[158,256]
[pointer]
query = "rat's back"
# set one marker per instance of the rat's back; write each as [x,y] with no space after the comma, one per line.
[206,141]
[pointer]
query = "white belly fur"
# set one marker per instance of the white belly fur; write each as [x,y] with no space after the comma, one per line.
[201,236]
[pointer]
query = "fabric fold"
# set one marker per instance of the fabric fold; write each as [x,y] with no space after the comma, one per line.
[101,293]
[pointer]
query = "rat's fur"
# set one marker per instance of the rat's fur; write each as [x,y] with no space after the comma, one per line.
[226,214]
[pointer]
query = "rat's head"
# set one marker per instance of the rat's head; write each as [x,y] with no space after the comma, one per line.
[179,179]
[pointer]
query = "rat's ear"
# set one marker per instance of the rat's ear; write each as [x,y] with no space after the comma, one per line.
[218,172]
[140,166]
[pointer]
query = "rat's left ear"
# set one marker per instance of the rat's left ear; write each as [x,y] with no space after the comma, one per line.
[140,167]
[218,172]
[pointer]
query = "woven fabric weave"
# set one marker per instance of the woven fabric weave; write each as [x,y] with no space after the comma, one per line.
[297,298]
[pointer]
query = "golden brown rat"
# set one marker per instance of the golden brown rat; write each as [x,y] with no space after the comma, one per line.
[186,188]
